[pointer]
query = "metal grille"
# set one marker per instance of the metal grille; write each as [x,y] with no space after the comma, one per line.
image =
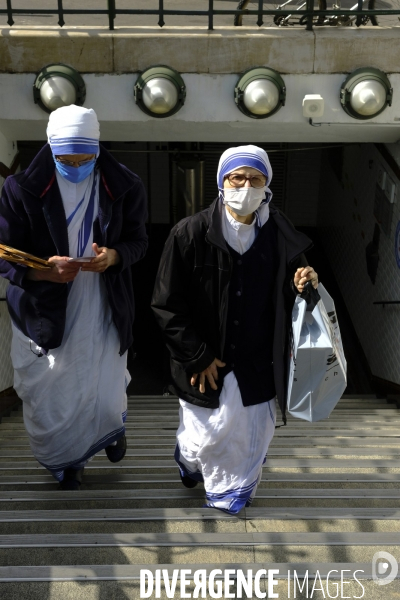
[277,156]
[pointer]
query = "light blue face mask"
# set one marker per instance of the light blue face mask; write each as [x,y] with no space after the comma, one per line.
[75,174]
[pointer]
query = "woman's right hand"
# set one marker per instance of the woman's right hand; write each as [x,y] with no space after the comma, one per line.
[62,271]
[211,374]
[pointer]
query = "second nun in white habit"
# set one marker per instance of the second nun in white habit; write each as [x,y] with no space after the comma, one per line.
[226,285]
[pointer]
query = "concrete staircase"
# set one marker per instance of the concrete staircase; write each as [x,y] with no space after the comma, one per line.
[329,499]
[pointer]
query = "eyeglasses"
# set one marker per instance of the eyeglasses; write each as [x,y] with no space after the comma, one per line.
[70,163]
[238,180]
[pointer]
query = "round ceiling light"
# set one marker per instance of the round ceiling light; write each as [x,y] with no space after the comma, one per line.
[260,92]
[58,85]
[366,93]
[160,91]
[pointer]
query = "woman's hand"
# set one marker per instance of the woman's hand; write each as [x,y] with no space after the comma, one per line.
[304,274]
[62,271]
[105,257]
[211,373]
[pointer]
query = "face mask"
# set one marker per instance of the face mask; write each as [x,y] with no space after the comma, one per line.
[244,201]
[75,174]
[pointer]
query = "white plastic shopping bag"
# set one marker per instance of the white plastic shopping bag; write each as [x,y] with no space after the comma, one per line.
[317,376]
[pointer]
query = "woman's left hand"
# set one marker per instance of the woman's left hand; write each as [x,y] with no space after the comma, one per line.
[105,257]
[304,274]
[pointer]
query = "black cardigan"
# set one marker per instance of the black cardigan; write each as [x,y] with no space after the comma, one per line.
[190,299]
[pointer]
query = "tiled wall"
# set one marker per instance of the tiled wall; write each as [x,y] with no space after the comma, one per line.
[346,222]
[7,153]
[6,370]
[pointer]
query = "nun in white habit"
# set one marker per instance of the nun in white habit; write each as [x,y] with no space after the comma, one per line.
[74,395]
[226,447]
[227,281]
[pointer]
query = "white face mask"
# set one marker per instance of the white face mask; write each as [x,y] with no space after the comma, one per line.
[244,201]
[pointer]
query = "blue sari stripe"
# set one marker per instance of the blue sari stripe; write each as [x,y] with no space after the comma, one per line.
[87,223]
[58,470]
[74,145]
[196,475]
[232,501]
[71,216]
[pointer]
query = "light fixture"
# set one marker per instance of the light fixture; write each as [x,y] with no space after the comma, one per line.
[160,91]
[313,105]
[260,92]
[365,93]
[58,85]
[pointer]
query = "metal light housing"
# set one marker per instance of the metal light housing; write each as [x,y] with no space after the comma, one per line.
[160,91]
[260,92]
[58,85]
[365,93]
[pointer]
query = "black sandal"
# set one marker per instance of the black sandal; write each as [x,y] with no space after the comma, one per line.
[72,479]
[187,481]
[117,452]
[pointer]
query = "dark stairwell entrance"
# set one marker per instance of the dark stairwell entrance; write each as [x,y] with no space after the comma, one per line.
[158,165]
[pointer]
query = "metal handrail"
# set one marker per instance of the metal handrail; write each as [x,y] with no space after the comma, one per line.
[112,11]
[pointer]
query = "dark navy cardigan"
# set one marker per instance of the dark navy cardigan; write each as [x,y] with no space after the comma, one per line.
[32,219]
[250,322]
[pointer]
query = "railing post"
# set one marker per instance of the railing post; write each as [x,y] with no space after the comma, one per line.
[10,20]
[359,19]
[310,15]
[161,21]
[111,14]
[210,14]
[260,15]
[61,21]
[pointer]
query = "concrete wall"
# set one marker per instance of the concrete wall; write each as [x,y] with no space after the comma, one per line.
[210,63]
[209,114]
[347,222]
[195,50]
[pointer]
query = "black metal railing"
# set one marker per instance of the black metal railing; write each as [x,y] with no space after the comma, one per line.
[385,302]
[112,12]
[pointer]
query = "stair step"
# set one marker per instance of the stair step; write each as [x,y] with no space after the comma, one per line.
[186,514]
[182,493]
[169,443]
[97,540]
[345,509]
[361,453]
[272,463]
[143,429]
[132,572]
[115,477]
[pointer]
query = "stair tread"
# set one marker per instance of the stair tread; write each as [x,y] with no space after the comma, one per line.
[272,463]
[97,540]
[179,493]
[152,514]
[360,429]
[120,572]
[44,477]
[362,453]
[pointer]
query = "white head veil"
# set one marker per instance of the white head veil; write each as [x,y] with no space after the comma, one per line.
[73,130]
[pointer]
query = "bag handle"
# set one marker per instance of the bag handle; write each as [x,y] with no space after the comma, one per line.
[311,296]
